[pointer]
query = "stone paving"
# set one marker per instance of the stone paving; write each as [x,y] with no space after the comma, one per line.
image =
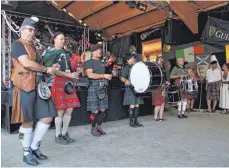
[200,140]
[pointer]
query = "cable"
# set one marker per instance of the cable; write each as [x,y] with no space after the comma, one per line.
[9,22]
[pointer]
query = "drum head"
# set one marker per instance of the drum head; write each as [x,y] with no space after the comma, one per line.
[140,77]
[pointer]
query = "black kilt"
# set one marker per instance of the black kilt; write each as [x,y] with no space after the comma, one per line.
[130,98]
[34,107]
[93,102]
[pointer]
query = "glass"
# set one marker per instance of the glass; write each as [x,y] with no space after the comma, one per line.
[31,29]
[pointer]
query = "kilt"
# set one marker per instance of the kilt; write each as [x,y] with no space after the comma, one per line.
[33,107]
[192,96]
[184,95]
[212,94]
[60,98]
[130,98]
[93,102]
[157,98]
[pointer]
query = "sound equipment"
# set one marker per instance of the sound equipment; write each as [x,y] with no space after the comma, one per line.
[6,111]
[176,32]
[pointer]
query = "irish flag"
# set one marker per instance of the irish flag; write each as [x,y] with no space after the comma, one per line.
[188,53]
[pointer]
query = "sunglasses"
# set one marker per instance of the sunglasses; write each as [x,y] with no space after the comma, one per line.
[31,29]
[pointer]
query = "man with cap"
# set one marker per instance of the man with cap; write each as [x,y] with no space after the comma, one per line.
[213,80]
[97,100]
[129,97]
[27,105]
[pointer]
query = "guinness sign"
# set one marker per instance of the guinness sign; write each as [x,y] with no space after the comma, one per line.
[216,32]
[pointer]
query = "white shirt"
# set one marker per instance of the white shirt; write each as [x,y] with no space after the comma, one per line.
[213,75]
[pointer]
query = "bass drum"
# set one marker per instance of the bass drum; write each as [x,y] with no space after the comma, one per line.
[146,78]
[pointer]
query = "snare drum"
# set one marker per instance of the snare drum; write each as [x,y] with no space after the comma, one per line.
[173,94]
[146,78]
[189,85]
[192,86]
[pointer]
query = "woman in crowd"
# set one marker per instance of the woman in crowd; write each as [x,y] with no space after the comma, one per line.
[224,89]
[63,92]
[158,96]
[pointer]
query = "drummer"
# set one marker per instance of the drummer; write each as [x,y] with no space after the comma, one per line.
[129,97]
[178,73]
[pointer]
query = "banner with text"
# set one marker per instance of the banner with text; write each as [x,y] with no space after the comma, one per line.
[216,32]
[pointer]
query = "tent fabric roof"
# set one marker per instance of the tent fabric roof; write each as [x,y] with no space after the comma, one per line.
[120,20]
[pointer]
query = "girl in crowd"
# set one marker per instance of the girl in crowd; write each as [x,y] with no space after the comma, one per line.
[191,96]
[63,92]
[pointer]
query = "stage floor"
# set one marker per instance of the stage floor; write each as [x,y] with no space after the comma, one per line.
[200,140]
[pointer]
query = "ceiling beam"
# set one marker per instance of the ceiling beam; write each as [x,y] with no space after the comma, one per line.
[140,29]
[213,7]
[193,4]
[92,14]
[68,4]
[129,18]
[187,14]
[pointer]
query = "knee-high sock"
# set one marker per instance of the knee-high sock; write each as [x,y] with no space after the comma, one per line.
[101,117]
[26,135]
[184,104]
[40,130]
[179,107]
[66,121]
[58,124]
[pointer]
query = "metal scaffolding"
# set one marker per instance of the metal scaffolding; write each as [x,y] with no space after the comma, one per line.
[6,54]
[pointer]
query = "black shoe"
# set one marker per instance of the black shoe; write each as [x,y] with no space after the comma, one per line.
[61,140]
[69,140]
[100,130]
[156,119]
[30,160]
[138,124]
[179,116]
[132,124]
[39,155]
[184,116]
[161,119]
[95,132]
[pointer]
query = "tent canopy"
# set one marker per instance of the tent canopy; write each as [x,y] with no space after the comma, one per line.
[117,18]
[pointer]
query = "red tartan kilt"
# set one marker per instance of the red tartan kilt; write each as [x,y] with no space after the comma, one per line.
[186,96]
[60,98]
[157,99]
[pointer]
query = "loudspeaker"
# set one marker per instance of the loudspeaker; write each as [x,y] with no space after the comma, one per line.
[176,32]
[9,5]
[169,33]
